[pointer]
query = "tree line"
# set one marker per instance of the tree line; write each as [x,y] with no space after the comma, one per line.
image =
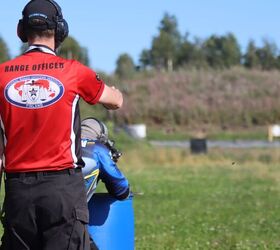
[171,50]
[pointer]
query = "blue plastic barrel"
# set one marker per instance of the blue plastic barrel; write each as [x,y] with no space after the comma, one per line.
[111,223]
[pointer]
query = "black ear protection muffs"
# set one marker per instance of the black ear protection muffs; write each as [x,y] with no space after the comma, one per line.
[62,30]
[59,24]
[20,31]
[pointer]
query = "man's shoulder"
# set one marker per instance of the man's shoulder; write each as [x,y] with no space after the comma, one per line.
[74,62]
[8,66]
[93,144]
[11,61]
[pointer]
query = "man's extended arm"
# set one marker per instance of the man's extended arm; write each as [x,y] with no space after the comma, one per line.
[111,98]
[114,180]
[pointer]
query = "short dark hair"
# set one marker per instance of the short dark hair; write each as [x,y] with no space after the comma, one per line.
[35,33]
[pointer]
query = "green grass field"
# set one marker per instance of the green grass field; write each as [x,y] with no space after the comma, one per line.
[222,200]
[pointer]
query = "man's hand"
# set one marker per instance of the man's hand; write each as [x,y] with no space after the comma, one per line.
[111,98]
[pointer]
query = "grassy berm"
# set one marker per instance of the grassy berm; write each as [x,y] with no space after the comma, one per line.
[198,98]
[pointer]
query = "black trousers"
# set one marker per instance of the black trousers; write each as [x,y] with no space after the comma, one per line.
[45,212]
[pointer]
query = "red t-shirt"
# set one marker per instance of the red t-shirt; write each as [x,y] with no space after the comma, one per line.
[39,94]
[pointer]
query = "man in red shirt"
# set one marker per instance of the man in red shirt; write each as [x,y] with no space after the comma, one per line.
[45,202]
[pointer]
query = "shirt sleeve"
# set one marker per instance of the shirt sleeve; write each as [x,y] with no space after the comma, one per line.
[90,86]
[114,180]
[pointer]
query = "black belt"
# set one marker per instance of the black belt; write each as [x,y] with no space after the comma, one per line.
[44,173]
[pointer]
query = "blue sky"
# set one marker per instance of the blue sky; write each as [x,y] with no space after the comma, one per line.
[108,27]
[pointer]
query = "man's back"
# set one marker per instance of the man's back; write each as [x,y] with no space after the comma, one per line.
[39,95]
[45,200]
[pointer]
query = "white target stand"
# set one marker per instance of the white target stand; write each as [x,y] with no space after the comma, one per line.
[273,131]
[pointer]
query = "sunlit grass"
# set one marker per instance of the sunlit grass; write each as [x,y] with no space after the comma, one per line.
[225,199]
[222,200]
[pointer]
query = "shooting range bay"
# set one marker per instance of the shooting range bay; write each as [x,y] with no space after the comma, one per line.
[224,199]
